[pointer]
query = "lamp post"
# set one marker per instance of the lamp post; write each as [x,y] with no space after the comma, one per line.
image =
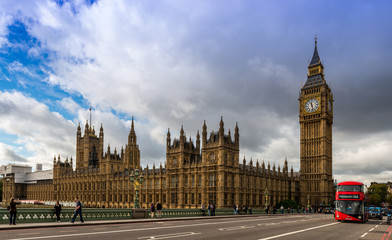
[266,194]
[137,179]
[308,203]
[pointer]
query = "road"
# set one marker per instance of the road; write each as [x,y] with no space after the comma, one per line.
[312,226]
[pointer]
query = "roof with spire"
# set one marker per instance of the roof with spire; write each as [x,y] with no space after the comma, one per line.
[316,78]
[315,58]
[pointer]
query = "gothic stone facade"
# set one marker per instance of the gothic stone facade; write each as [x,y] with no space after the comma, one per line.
[208,170]
[193,174]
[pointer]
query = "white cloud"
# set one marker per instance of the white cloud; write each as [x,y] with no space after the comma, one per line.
[9,154]
[42,133]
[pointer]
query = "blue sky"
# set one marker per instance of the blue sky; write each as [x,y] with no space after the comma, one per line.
[169,63]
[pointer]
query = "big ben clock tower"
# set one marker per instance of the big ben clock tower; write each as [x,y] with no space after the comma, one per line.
[316,118]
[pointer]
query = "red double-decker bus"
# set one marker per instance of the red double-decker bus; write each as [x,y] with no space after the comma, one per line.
[351,204]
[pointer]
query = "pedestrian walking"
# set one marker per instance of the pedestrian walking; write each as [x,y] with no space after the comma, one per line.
[213,209]
[13,210]
[250,210]
[78,211]
[152,210]
[57,210]
[209,209]
[246,210]
[159,210]
[267,209]
[203,211]
[282,209]
[235,209]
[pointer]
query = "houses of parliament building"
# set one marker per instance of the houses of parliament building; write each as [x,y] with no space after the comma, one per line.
[206,170]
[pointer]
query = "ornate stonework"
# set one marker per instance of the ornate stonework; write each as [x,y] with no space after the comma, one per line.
[316,118]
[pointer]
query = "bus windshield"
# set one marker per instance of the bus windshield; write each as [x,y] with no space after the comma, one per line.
[350,207]
[349,188]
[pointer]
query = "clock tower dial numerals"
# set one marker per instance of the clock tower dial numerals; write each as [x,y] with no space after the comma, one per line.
[312,105]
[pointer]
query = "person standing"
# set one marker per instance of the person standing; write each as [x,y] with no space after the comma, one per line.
[282,209]
[235,209]
[159,210]
[13,211]
[213,209]
[57,210]
[152,210]
[78,210]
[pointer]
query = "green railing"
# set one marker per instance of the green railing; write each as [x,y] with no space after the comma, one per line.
[26,215]
[167,213]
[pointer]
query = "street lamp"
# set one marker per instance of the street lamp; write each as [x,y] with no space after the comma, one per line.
[266,194]
[308,203]
[137,179]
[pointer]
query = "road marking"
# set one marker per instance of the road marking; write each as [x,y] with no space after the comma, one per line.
[172,235]
[21,234]
[299,231]
[68,231]
[151,228]
[235,228]
[363,235]
[371,229]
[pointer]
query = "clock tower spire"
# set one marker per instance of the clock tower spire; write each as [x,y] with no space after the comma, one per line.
[316,118]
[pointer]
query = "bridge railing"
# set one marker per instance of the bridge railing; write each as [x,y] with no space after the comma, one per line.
[28,215]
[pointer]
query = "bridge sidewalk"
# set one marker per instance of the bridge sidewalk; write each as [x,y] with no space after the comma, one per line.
[65,223]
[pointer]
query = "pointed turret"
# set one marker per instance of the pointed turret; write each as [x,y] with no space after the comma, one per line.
[79,131]
[86,128]
[182,136]
[236,135]
[221,129]
[101,131]
[315,59]
[132,139]
[204,133]
[198,141]
[315,69]
[168,139]
[108,151]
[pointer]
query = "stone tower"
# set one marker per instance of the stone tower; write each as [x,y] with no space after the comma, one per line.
[132,152]
[89,147]
[316,118]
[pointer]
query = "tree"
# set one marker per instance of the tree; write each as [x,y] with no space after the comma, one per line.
[375,199]
[380,189]
[389,199]
[287,203]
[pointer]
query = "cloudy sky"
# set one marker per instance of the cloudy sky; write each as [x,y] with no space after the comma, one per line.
[169,63]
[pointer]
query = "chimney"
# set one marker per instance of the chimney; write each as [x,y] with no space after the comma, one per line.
[38,167]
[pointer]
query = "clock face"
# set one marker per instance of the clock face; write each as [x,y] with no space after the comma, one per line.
[329,106]
[311,105]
